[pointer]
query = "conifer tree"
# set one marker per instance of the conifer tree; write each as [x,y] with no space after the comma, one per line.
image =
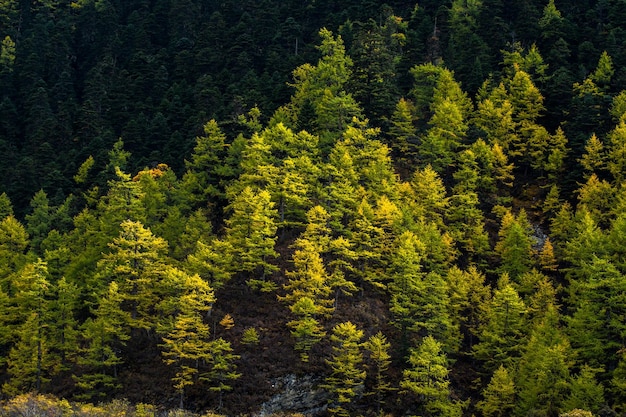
[206,172]
[547,259]
[30,363]
[584,241]
[378,347]
[306,328]
[64,332]
[616,152]
[346,374]
[597,303]
[500,334]
[499,396]
[6,208]
[222,369]
[597,197]
[494,117]
[187,343]
[594,158]
[427,378]
[466,224]
[543,374]
[122,202]
[13,245]
[403,134]
[213,262]
[251,232]
[102,336]
[136,262]
[514,245]
[585,391]
[407,282]
[430,201]
[468,294]
[309,279]
[39,221]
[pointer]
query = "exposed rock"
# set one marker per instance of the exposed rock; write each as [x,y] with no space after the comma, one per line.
[539,237]
[296,394]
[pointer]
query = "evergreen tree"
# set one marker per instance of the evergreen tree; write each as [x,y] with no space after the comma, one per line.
[427,377]
[102,337]
[403,134]
[346,374]
[64,330]
[499,395]
[39,222]
[585,391]
[378,347]
[501,332]
[221,368]
[187,343]
[306,329]
[14,242]
[6,208]
[206,172]
[251,232]
[213,262]
[616,152]
[514,245]
[594,158]
[597,302]
[543,376]
[136,262]
[468,295]
[30,363]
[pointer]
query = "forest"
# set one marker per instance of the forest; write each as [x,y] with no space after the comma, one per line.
[407,208]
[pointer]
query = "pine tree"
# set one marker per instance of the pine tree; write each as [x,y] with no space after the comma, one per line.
[309,279]
[6,208]
[427,377]
[430,195]
[306,329]
[494,117]
[403,134]
[221,368]
[597,303]
[585,391]
[499,396]
[102,335]
[514,245]
[136,262]
[251,232]
[501,332]
[64,330]
[13,245]
[346,375]
[594,158]
[213,262]
[206,172]
[378,347]
[187,343]
[468,294]
[407,284]
[547,258]
[543,375]
[30,363]
[39,221]
[616,152]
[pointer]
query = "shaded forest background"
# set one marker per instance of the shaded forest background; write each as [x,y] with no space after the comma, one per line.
[421,206]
